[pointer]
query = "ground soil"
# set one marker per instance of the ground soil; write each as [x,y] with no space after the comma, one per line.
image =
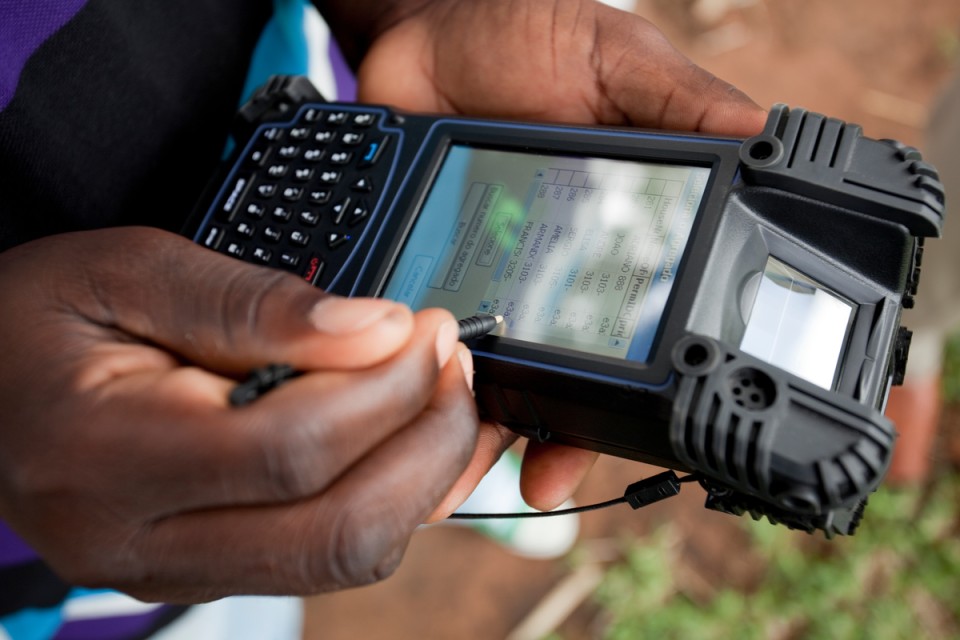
[879,64]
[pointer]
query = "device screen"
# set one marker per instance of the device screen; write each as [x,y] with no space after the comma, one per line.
[798,324]
[575,252]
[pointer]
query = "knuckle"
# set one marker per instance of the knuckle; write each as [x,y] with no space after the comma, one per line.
[412,393]
[293,465]
[254,302]
[362,554]
[459,430]
[242,302]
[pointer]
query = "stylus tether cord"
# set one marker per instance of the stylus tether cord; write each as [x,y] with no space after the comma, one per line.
[639,494]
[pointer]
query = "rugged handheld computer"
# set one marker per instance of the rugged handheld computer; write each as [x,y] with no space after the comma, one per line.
[719,306]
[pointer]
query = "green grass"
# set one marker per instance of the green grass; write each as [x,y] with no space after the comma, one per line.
[898,577]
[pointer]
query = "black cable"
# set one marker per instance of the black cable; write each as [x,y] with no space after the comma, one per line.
[536,514]
[639,494]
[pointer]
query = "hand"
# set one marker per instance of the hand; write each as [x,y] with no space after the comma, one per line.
[573,61]
[124,466]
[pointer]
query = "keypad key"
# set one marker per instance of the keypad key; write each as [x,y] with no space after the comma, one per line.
[292,194]
[358,214]
[299,238]
[330,177]
[309,218]
[259,155]
[266,190]
[290,259]
[335,239]
[236,195]
[325,137]
[300,133]
[314,155]
[281,214]
[312,115]
[341,158]
[277,170]
[235,249]
[363,185]
[245,229]
[313,269]
[255,210]
[319,196]
[364,119]
[352,139]
[289,151]
[261,255]
[272,134]
[337,117]
[272,234]
[303,174]
[340,209]
[373,153]
[213,238]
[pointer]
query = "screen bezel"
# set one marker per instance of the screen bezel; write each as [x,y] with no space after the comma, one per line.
[719,155]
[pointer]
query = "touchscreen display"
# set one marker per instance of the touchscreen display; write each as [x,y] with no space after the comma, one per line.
[574,252]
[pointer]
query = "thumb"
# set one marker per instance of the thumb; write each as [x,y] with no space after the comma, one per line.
[218,312]
[655,85]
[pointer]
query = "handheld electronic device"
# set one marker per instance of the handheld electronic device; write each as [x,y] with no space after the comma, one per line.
[711,305]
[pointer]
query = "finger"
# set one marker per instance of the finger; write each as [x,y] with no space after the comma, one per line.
[219,312]
[290,443]
[352,534]
[407,41]
[551,473]
[581,62]
[493,440]
[654,85]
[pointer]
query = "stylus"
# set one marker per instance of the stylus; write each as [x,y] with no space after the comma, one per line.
[271,376]
[476,326]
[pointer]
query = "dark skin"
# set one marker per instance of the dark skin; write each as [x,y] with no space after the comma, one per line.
[125,466]
[561,61]
[122,463]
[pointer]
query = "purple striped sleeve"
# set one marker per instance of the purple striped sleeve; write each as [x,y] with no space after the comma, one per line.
[26,25]
[342,74]
[13,550]
[120,627]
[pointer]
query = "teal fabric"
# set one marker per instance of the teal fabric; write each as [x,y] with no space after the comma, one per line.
[32,624]
[282,48]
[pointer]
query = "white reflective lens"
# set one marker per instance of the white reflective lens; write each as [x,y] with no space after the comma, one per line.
[797,324]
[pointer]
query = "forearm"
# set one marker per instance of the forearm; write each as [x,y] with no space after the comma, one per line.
[357,23]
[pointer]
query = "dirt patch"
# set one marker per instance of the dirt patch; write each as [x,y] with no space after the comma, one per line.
[877,64]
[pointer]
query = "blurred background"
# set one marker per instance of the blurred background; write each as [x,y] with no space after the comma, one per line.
[675,570]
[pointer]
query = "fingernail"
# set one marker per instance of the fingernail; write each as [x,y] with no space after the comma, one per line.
[448,337]
[466,363]
[338,315]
